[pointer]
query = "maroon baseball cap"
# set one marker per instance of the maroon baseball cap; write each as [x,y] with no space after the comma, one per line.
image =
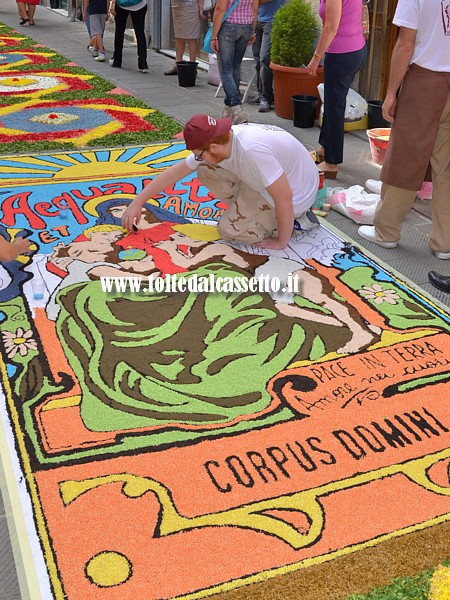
[202,128]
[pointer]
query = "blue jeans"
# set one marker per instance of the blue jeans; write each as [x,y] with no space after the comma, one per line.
[233,41]
[339,72]
[261,54]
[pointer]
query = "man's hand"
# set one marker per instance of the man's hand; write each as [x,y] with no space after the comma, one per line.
[389,106]
[270,244]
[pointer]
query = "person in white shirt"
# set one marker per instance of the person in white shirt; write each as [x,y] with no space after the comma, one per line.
[265,175]
[417,104]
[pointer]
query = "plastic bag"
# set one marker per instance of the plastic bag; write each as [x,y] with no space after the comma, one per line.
[355,105]
[355,203]
[213,76]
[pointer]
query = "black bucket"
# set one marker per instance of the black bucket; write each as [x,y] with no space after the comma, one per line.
[187,73]
[375,115]
[304,109]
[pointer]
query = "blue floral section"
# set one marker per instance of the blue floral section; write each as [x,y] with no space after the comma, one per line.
[10,59]
[87,119]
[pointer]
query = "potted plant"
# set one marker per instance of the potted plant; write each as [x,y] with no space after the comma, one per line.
[295,32]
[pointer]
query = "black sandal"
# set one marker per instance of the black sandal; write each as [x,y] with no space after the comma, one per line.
[23,21]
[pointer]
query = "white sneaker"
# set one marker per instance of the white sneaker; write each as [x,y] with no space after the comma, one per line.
[100,58]
[306,221]
[92,50]
[143,70]
[374,186]
[369,233]
[442,255]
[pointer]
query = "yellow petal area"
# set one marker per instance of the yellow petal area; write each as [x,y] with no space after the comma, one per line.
[108,569]
[204,233]
[17,82]
[440,584]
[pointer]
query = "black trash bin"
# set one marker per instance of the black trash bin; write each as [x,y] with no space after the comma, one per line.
[375,115]
[187,73]
[304,109]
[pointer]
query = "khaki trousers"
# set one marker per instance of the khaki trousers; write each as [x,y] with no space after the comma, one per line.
[396,202]
[249,217]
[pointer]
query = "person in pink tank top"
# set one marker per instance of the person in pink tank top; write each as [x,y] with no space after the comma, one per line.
[342,45]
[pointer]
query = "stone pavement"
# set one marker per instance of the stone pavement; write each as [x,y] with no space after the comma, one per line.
[412,259]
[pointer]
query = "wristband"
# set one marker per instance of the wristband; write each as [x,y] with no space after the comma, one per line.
[318,55]
[214,39]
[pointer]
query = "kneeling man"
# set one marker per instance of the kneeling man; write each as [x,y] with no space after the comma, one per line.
[265,175]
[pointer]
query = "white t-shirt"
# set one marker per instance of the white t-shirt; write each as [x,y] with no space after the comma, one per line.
[262,153]
[431,20]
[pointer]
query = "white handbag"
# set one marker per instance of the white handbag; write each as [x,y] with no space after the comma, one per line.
[208,4]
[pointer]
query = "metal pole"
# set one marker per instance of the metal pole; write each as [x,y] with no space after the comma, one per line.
[371,49]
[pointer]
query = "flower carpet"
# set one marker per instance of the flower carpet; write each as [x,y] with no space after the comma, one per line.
[179,444]
[49,102]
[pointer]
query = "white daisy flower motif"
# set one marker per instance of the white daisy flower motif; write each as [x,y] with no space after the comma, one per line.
[55,118]
[19,342]
[378,294]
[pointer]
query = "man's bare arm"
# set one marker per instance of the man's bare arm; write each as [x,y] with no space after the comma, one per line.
[401,58]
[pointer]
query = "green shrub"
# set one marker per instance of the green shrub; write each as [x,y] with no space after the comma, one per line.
[294,33]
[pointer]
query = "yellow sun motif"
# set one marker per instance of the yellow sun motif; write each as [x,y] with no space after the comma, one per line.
[91,165]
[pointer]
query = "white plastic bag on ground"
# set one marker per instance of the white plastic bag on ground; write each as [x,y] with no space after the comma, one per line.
[355,110]
[355,203]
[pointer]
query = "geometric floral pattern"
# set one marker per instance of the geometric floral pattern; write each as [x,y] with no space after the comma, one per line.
[24,57]
[41,83]
[48,101]
[76,122]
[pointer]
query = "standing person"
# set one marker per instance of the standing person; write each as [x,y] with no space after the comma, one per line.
[343,45]
[186,24]
[121,11]
[92,46]
[261,53]
[229,41]
[96,12]
[420,117]
[26,9]
[264,174]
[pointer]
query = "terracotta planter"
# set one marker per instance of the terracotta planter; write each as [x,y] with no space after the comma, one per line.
[290,81]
